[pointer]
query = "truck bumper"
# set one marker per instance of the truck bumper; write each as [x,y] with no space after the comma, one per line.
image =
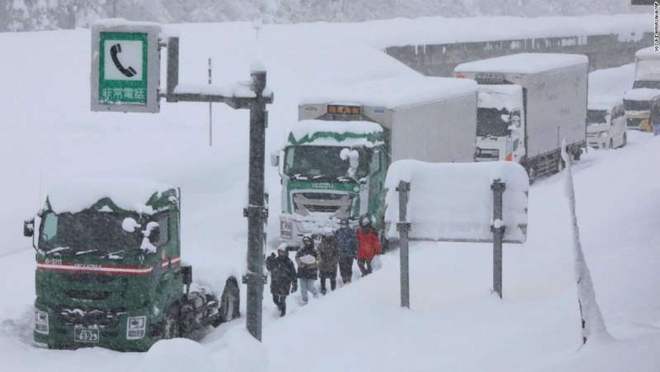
[293,227]
[598,142]
[73,329]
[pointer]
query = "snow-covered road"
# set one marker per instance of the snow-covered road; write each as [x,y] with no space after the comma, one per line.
[47,133]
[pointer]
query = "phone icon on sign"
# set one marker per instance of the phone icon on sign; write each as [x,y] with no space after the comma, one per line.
[114,51]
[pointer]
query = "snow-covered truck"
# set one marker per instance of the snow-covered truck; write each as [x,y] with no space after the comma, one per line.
[528,104]
[336,157]
[645,87]
[109,271]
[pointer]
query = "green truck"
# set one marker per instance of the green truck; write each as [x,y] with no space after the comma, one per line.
[109,271]
[336,156]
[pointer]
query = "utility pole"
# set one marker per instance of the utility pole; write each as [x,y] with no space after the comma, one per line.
[256,211]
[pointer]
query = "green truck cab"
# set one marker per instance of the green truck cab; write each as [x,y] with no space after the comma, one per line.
[109,271]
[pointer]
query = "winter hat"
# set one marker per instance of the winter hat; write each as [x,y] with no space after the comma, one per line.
[364,221]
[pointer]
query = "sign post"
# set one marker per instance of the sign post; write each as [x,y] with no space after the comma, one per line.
[125,67]
[126,78]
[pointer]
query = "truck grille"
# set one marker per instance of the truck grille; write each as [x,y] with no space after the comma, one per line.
[338,204]
[84,294]
[89,278]
[105,318]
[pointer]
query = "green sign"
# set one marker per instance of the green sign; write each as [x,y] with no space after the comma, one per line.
[123,68]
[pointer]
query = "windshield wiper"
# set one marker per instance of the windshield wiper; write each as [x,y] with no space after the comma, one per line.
[85,252]
[57,250]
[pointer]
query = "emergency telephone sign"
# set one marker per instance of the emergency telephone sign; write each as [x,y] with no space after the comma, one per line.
[125,66]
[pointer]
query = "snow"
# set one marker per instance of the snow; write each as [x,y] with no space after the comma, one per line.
[393,92]
[647,53]
[613,82]
[305,129]
[523,63]
[455,323]
[606,103]
[455,201]
[238,89]
[641,94]
[500,97]
[77,194]
[178,354]
[120,22]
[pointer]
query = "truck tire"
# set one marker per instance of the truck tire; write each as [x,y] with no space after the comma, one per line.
[172,324]
[625,140]
[611,144]
[230,301]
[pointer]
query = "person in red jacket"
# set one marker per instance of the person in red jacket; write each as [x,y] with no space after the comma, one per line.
[368,245]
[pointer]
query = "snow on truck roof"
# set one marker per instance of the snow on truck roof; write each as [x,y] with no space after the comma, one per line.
[524,63]
[500,96]
[336,133]
[393,92]
[603,102]
[131,194]
[641,94]
[647,53]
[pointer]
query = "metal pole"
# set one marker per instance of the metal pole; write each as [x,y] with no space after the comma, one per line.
[172,68]
[404,227]
[255,212]
[210,109]
[497,228]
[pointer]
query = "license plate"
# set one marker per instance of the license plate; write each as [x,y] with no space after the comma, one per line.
[86,335]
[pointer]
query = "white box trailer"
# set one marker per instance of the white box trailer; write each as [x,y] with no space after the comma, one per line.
[426,118]
[554,95]
[379,121]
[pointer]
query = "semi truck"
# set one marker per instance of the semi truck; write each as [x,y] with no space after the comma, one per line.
[646,87]
[109,271]
[528,104]
[336,156]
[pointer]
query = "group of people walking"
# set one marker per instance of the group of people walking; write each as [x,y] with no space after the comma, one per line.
[319,258]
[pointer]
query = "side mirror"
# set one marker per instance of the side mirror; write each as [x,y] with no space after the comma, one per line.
[28,228]
[275,159]
[154,235]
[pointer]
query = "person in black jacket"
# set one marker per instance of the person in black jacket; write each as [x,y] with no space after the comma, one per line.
[308,268]
[282,278]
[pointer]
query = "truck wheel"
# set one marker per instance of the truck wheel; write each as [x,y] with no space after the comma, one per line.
[230,301]
[172,326]
[625,139]
[611,145]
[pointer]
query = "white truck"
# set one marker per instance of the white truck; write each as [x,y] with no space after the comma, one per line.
[606,122]
[528,104]
[637,102]
[336,157]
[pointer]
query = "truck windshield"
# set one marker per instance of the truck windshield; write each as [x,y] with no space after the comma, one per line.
[490,122]
[318,161]
[635,105]
[91,232]
[596,116]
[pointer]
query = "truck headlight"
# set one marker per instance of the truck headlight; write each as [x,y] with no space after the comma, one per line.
[136,327]
[41,322]
[286,229]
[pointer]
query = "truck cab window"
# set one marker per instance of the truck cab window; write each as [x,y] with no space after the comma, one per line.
[164,226]
[49,227]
